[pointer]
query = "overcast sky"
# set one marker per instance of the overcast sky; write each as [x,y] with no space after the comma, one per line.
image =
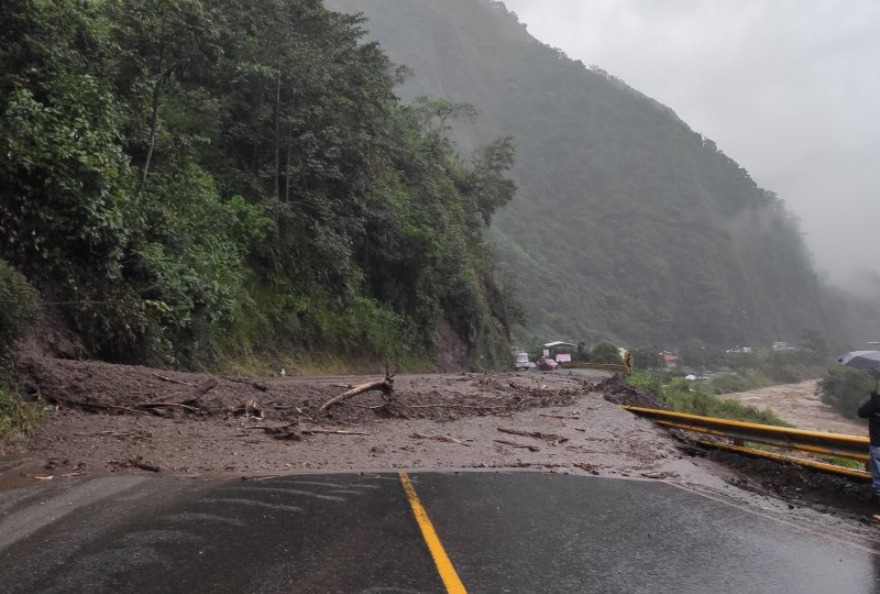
[790,89]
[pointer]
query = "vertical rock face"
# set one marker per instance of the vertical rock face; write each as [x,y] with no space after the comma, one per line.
[628,225]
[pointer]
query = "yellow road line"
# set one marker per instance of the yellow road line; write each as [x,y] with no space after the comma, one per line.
[441,560]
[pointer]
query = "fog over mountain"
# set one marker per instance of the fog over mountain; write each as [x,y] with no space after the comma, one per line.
[630,223]
[790,89]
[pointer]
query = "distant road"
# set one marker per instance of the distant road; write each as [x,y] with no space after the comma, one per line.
[429,533]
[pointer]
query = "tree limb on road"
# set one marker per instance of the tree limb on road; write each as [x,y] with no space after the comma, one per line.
[385,385]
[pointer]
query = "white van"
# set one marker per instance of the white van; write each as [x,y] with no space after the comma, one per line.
[521,361]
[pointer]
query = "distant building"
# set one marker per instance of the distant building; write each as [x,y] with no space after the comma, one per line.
[669,358]
[739,350]
[560,350]
[781,346]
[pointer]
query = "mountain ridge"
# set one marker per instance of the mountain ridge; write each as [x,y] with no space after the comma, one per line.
[628,224]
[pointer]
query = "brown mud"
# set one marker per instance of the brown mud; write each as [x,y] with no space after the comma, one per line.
[104,418]
[800,405]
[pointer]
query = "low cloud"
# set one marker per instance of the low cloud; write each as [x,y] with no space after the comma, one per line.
[789,89]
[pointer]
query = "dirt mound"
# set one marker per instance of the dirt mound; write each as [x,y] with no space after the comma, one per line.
[617,391]
[49,337]
[800,486]
[120,389]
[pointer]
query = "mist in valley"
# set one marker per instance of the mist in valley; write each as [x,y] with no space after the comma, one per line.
[788,89]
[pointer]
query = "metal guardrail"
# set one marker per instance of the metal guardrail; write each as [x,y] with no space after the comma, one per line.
[823,466]
[814,442]
[600,366]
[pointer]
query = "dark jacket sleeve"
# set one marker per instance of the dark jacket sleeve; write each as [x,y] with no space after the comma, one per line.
[870,407]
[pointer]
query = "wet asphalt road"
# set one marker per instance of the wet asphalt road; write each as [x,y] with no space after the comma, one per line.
[516,532]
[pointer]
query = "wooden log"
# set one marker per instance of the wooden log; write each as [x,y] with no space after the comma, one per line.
[444,438]
[165,378]
[385,385]
[149,405]
[549,437]
[333,432]
[193,395]
[530,448]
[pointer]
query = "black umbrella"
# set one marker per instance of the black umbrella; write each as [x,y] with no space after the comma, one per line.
[867,360]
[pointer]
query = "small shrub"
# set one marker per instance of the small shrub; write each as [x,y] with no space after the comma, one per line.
[845,389]
[606,353]
[692,398]
[646,380]
[16,415]
[19,306]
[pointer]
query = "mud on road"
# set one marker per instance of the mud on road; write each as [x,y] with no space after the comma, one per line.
[106,418]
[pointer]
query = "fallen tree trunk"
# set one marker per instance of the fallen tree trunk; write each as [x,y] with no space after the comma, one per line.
[193,395]
[385,385]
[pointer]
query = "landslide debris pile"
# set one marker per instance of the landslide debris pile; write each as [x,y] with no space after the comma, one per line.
[616,391]
[106,388]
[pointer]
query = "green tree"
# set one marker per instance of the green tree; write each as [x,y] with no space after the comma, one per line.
[646,357]
[196,177]
[65,181]
[845,389]
[605,352]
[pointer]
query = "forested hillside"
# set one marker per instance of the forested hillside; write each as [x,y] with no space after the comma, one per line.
[627,225]
[190,181]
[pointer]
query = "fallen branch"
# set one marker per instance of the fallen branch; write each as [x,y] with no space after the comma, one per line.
[137,434]
[193,395]
[254,384]
[444,438]
[94,405]
[284,432]
[150,405]
[386,386]
[139,463]
[549,437]
[250,410]
[530,448]
[49,477]
[165,378]
[333,432]
[296,433]
[452,406]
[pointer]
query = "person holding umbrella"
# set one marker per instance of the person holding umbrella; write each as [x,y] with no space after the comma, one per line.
[871,410]
[870,362]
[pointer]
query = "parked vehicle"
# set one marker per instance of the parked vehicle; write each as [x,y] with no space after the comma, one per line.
[545,363]
[521,361]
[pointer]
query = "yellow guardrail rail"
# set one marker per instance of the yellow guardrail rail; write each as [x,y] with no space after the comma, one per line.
[814,442]
[600,366]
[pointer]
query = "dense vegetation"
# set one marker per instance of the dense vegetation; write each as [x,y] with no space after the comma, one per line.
[629,225]
[845,389]
[193,180]
[693,398]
